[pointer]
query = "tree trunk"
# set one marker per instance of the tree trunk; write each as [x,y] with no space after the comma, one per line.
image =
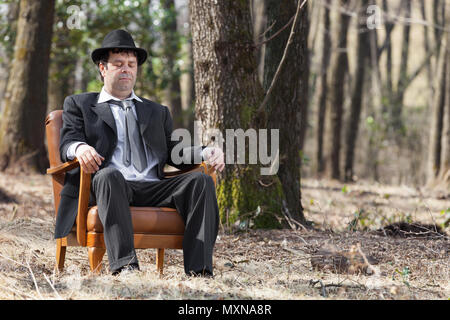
[171,49]
[437,120]
[363,52]
[60,81]
[376,103]
[397,103]
[228,94]
[288,101]
[389,26]
[187,76]
[444,172]
[339,69]
[7,51]
[190,102]
[427,50]
[22,127]
[439,9]
[323,86]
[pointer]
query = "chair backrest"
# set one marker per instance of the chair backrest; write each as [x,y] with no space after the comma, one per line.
[53,125]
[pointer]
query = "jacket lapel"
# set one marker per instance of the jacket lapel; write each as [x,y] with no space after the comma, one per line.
[144,113]
[104,112]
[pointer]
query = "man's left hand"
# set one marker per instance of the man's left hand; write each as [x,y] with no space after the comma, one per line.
[214,157]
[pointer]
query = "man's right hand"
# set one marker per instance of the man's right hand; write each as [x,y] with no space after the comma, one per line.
[90,161]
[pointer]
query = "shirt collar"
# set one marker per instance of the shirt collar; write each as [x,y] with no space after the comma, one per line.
[105,96]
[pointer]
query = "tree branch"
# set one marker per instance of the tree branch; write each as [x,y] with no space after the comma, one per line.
[277,73]
[275,34]
[418,70]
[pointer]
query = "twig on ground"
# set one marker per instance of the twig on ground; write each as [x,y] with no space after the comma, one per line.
[51,285]
[34,280]
[287,215]
[292,222]
[312,283]
[13,214]
[296,252]
[301,238]
[341,284]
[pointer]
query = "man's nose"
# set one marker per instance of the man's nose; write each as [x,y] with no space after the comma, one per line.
[125,68]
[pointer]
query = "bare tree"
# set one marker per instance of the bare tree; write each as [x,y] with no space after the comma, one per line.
[444,170]
[339,70]
[437,118]
[363,52]
[427,45]
[397,102]
[323,85]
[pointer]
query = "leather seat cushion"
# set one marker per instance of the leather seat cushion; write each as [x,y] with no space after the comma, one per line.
[152,220]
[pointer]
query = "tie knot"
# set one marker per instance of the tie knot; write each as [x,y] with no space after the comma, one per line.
[124,104]
[127,104]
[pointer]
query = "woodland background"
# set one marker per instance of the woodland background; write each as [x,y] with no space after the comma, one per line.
[351,101]
[363,113]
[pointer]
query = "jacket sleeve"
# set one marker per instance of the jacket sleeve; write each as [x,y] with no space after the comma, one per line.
[73,127]
[188,152]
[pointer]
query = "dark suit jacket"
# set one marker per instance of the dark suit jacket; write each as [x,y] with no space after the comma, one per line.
[86,120]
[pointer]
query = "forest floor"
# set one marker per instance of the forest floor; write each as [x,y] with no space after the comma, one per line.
[344,257]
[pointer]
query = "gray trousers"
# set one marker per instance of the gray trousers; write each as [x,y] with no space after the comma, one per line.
[192,194]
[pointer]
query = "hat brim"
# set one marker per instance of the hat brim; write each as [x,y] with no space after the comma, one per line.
[141,53]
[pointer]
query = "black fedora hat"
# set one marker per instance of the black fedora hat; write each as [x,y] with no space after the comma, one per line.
[119,39]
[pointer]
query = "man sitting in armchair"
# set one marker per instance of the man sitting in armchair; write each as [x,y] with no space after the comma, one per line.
[125,142]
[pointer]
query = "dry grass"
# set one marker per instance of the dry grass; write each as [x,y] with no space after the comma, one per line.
[253,264]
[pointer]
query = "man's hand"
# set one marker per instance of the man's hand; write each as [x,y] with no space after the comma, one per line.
[214,157]
[90,161]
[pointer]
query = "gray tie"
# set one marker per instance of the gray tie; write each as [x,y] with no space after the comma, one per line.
[133,147]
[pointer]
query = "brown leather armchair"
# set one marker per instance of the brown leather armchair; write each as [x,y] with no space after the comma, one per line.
[154,227]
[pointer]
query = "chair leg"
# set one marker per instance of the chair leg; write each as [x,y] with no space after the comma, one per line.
[95,258]
[160,260]
[60,254]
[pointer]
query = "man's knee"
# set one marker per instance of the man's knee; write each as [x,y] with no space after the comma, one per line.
[202,178]
[203,181]
[110,176]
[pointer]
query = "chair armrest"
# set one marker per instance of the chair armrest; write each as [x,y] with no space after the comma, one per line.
[66,166]
[169,174]
[83,198]
[203,167]
[83,206]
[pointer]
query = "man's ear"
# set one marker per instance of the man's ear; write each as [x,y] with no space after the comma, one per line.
[102,68]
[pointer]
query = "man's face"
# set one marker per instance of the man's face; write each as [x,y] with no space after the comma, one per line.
[120,74]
